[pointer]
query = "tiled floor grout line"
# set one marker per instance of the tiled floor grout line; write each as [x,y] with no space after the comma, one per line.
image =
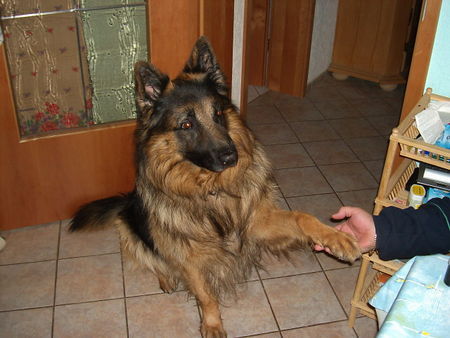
[94,255]
[315,194]
[95,300]
[287,122]
[377,179]
[62,259]
[303,273]
[351,149]
[155,294]
[268,301]
[89,301]
[30,262]
[27,308]
[318,324]
[56,277]
[343,191]
[383,98]
[357,156]
[124,292]
[335,294]
[259,334]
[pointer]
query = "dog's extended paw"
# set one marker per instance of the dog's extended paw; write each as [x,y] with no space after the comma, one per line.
[216,331]
[341,245]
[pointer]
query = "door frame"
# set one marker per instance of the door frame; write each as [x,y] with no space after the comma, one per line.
[420,62]
[423,48]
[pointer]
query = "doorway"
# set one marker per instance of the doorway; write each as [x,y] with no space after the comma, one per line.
[279,42]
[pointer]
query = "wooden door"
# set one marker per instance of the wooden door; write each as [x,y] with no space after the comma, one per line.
[290,44]
[284,65]
[258,41]
[46,179]
[216,23]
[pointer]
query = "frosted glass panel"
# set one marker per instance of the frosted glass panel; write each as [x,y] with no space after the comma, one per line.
[71,66]
[21,7]
[48,70]
[116,39]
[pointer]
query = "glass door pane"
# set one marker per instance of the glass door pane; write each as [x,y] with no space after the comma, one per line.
[71,62]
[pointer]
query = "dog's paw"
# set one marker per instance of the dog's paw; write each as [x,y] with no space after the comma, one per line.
[341,245]
[216,331]
[167,285]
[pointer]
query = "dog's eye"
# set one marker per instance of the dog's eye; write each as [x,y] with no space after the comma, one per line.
[219,112]
[186,125]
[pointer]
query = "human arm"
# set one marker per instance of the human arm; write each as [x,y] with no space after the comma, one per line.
[405,233]
[358,223]
[399,233]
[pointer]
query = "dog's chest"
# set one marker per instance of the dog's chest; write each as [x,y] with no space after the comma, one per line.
[233,243]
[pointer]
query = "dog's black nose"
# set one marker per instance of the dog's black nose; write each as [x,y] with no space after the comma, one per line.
[228,157]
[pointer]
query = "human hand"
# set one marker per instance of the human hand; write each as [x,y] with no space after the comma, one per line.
[359,223]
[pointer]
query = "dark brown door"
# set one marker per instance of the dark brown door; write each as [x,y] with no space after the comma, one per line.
[279,44]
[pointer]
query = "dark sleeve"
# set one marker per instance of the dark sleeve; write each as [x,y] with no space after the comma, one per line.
[405,233]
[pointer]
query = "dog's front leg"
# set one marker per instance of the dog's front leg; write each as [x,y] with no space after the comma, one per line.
[211,326]
[278,230]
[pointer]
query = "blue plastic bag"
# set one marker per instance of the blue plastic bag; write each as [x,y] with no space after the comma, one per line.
[444,140]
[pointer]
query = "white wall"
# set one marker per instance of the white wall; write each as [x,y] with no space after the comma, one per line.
[322,37]
[238,41]
[438,77]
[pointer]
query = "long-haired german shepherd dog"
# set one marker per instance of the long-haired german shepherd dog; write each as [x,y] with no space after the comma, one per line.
[204,206]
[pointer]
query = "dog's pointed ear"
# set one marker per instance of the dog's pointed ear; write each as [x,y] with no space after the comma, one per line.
[203,60]
[150,83]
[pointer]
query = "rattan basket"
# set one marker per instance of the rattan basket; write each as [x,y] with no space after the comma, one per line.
[408,137]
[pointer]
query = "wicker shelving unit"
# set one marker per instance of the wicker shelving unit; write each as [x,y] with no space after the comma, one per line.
[391,192]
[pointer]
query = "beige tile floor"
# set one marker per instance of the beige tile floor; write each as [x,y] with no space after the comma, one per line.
[327,150]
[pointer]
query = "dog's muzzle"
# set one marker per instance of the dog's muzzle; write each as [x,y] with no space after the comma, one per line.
[228,157]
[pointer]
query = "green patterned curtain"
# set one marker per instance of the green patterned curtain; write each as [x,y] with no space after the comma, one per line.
[115,40]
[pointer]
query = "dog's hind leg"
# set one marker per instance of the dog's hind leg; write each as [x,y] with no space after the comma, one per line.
[211,326]
[278,230]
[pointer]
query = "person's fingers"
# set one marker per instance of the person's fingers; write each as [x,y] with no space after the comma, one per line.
[339,226]
[344,212]
[318,247]
[339,215]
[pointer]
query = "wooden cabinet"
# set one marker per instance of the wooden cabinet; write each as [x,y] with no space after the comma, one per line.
[370,40]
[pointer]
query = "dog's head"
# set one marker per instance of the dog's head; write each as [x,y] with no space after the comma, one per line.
[194,106]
